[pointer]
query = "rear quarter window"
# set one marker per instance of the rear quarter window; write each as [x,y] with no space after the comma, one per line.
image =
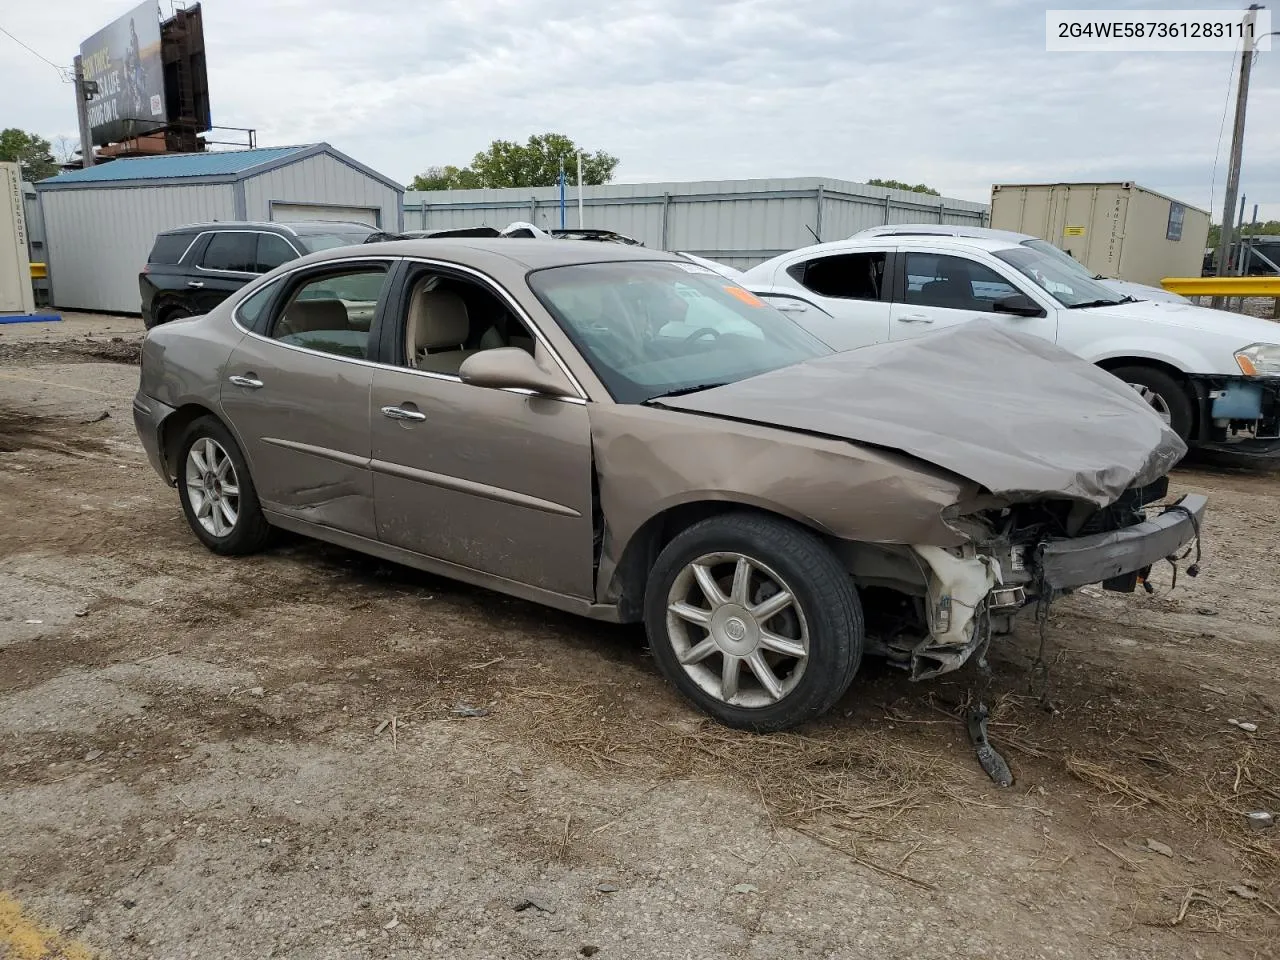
[169,247]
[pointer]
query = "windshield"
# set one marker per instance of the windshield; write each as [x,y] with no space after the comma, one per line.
[651,329]
[1049,250]
[315,242]
[1068,283]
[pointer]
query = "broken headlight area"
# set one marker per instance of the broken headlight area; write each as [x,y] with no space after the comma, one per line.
[1017,555]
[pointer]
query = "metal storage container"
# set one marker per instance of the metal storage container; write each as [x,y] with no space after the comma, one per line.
[1117,230]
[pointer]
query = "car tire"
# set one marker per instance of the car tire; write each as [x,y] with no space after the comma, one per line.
[810,647]
[218,496]
[1164,393]
[176,313]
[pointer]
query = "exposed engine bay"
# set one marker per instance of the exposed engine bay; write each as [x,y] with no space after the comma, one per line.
[929,608]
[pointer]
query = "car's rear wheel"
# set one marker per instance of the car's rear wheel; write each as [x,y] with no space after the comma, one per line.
[755,620]
[217,493]
[176,313]
[1167,397]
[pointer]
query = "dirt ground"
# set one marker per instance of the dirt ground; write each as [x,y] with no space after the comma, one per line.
[269,757]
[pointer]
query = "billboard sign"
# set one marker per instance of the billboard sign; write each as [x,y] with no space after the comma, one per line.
[123,59]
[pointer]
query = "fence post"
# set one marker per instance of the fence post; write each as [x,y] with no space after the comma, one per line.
[817,223]
[886,209]
[533,210]
[666,209]
[942,212]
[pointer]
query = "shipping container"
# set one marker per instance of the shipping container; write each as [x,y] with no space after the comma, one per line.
[1118,230]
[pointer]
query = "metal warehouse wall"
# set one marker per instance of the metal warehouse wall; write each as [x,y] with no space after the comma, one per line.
[737,222]
[98,239]
[321,179]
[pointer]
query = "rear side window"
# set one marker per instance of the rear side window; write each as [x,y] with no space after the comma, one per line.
[273,251]
[848,276]
[231,251]
[169,248]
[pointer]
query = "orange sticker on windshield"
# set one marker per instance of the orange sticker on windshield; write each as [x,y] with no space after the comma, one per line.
[746,296]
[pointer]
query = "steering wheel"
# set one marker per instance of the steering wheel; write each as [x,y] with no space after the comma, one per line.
[702,332]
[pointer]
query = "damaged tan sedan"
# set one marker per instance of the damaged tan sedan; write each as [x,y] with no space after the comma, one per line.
[632,437]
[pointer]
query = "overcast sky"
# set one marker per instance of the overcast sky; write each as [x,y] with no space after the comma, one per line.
[958,96]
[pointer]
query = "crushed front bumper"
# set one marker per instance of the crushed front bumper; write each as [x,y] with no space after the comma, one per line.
[1103,556]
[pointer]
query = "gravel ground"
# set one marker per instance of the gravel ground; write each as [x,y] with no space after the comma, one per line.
[204,757]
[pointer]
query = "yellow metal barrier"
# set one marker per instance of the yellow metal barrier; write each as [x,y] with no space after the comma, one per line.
[39,271]
[1223,286]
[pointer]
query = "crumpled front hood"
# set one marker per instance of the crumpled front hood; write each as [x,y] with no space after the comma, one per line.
[1012,412]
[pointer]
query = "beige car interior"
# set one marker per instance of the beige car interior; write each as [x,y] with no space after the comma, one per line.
[307,316]
[441,331]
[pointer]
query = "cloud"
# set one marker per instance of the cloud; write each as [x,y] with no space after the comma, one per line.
[955,95]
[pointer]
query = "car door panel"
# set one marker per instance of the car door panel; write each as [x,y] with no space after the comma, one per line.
[834,297]
[494,480]
[937,288]
[301,413]
[303,419]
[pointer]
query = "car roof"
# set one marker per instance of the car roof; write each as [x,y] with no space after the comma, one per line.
[296,228]
[528,253]
[944,230]
[859,242]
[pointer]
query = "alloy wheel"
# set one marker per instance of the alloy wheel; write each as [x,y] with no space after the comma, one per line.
[1156,401]
[212,487]
[737,630]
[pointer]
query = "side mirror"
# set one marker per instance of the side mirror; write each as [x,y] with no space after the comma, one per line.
[511,368]
[1019,305]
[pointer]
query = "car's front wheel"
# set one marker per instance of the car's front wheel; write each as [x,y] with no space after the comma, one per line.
[217,493]
[1167,397]
[755,620]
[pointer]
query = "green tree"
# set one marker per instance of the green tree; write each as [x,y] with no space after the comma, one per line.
[536,163]
[446,178]
[901,185]
[1268,228]
[31,153]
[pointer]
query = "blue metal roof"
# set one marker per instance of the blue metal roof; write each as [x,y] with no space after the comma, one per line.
[226,163]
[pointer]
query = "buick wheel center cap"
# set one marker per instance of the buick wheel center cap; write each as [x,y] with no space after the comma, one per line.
[734,630]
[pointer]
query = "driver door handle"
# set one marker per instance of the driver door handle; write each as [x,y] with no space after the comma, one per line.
[786,307]
[915,318]
[253,383]
[197,284]
[400,413]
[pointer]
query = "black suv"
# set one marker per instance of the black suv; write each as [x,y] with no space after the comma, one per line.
[192,269]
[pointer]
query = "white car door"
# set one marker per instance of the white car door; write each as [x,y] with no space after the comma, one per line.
[841,298]
[937,288]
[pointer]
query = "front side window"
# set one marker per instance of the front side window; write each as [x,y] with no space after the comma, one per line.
[655,328]
[846,276]
[233,251]
[957,283]
[332,313]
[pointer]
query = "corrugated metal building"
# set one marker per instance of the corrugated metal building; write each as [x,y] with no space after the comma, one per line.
[737,222]
[100,223]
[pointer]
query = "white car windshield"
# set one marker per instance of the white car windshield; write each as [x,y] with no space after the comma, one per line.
[656,328]
[1068,283]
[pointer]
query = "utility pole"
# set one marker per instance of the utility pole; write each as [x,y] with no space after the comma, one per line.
[84,92]
[1237,143]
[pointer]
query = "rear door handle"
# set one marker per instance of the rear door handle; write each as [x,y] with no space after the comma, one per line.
[253,383]
[197,284]
[915,318]
[400,413]
[786,307]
